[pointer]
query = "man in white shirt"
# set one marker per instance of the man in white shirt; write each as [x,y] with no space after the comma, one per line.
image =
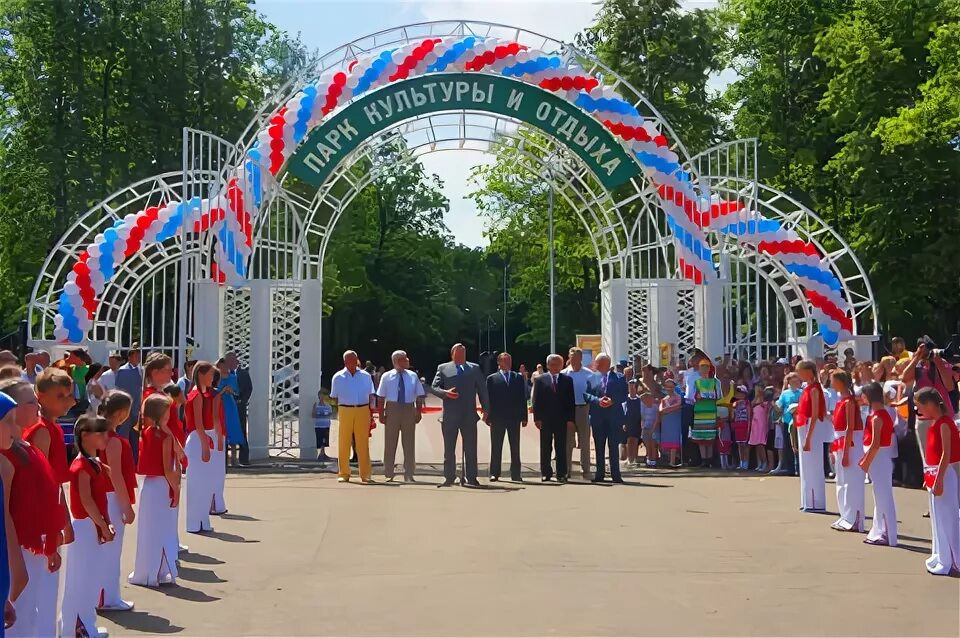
[581,428]
[108,380]
[352,387]
[400,404]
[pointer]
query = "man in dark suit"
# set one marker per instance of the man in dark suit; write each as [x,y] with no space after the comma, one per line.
[508,412]
[606,393]
[554,410]
[129,378]
[460,383]
[243,401]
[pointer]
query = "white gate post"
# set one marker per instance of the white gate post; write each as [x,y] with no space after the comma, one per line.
[708,301]
[258,416]
[208,332]
[311,310]
[613,318]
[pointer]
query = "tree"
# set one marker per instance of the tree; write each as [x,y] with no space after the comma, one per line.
[94,96]
[667,54]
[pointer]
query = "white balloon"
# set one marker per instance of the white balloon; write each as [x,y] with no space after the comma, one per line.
[97,280]
[94,251]
[85,322]
[353,80]
[345,96]
[430,58]
[572,95]
[71,289]
[60,333]
[130,220]
[99,239]
[123,232]
[72,276]
[390,69]
[58,320]
[399,55]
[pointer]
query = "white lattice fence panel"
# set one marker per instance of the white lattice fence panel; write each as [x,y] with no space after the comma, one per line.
[686,320]
[236,322]
[638,323]
[285,371]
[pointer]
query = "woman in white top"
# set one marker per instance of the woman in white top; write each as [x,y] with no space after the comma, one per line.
[95,392]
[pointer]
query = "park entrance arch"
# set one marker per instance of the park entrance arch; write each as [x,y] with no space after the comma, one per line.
[229,253]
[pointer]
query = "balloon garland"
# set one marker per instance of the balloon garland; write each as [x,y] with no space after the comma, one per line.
[227,212]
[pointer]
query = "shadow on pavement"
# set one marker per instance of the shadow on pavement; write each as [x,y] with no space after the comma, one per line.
[228,537]
[194,575]
[186,593]
[199,559]
[142,621]
[238,517]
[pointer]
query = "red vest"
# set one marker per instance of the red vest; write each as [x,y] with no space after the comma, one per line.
[174,423]
[805,407]
[34,500]
[935,442]
[840,415]
[206,410]
[57,452]
[883,418]
[150,462]
[98,486]
[126,469]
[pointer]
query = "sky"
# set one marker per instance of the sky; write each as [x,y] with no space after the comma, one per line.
[326,24]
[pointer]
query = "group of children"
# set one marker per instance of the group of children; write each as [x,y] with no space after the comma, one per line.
[866,446]
[103,482]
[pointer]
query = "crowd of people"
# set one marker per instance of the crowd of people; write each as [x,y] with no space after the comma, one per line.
[883,423]
[86,449]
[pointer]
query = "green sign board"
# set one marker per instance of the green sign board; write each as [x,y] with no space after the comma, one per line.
[334,139]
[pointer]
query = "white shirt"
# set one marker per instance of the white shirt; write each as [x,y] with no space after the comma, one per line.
[352,389]
[108,380]
[580,378]
[690,378]
[389,388]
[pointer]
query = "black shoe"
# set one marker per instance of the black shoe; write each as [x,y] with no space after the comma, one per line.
[473,483]
[597,479]
[494,479]
[409,479]
[545,479]
[562,479]
[446,483]
[517,479]
[618,480]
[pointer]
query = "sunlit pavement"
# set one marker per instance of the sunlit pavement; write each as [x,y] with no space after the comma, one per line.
[670,553]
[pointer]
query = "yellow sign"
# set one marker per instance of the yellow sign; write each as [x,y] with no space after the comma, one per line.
[591,346]
[666,354]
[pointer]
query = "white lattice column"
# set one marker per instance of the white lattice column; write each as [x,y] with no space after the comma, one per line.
[708,305]
[311,310]
[613,318]
[258,428]
[207,320]
[663,315]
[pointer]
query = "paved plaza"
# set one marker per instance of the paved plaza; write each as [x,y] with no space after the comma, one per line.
[671,553]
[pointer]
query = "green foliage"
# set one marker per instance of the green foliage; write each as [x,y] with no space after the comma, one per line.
[95,94]
[857,107]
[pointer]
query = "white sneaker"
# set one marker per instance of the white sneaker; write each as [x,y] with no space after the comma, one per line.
[183,548]
[122,605]
[102,633]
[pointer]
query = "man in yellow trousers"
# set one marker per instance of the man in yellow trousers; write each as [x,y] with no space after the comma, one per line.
[352,387]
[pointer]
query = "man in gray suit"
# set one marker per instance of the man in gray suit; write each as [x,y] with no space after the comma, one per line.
[459,383]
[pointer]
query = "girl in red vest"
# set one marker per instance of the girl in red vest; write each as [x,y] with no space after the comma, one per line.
[156,559]
[157,373]
[36,501]
[35,522]
[878,440]
[811,427]
[121,494]
[941,458]
[204,430]
[848,446]
[8,433]
[89,479]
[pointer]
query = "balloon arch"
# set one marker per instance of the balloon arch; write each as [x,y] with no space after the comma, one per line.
[692,250]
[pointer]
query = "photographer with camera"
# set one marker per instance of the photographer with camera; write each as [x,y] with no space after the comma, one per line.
[928,369]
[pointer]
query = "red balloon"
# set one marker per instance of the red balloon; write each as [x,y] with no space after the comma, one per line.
[81,268]
[340,78]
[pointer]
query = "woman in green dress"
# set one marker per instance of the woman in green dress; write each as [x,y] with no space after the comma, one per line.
[704,430]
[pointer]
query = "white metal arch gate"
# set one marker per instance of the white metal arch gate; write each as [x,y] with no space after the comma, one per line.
[631,240]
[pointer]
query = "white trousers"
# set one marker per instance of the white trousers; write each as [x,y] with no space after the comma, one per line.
[111,554]
[37,605]
[884,508]
[813,486]
[945,521]
[201,484]
[156,526]
[82,578]
[219,473]
[850,485]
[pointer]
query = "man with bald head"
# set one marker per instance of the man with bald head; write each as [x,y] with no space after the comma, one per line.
[606,393]
[352,387]
[460,383]
[554,410]
[400,403]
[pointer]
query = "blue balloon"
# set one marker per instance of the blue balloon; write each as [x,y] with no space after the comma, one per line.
[110,235]
[75,335]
